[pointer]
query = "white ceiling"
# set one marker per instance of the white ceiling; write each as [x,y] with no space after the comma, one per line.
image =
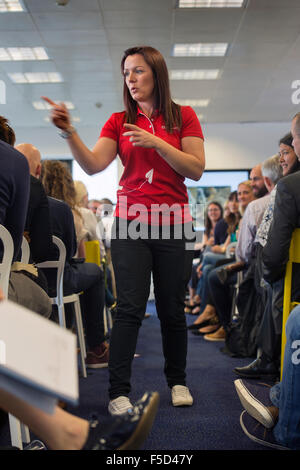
[85,41]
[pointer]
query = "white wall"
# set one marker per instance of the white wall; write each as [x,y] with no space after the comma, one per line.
[236,146]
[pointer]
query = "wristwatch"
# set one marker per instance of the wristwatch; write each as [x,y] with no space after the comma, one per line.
[67,132]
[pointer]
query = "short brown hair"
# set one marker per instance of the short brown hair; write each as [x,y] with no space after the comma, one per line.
[163,102]
[6,132]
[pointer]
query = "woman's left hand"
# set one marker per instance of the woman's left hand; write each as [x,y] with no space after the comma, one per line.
[139,137]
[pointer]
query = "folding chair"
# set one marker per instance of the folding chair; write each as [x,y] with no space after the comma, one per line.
[19,433]
[60,300]
[288,305]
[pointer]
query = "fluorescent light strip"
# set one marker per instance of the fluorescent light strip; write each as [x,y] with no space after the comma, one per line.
[10,5]
[200,49]
[23,53]
[36,77]
[212,74]
[191,102]
[42,105]
[210,3]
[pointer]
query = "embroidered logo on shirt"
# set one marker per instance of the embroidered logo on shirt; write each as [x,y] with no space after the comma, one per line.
[149,175]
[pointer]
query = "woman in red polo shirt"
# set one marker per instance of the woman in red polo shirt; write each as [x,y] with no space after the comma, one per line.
[160,143]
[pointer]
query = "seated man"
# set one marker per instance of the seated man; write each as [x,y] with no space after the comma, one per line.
[272,414]
[286,218]
[220,291]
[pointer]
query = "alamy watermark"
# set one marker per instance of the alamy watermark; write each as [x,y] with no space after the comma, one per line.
[296,94]
[159,221]
[296,354]
[2,92]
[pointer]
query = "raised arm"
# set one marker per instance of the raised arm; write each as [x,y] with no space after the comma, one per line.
[91,161]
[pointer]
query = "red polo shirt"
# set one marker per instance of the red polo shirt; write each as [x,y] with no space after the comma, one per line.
[150,186]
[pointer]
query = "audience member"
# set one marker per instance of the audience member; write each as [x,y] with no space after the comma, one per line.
[245,195]
[220,289]
[213,214]
[272,413]
[93,205]
[78,275]
[64,431]
[216,252]
[269,333]
[95,231]
[38,229]
[27,286]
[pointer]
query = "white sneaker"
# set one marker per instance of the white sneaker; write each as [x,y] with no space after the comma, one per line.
[181,396]
[119,406]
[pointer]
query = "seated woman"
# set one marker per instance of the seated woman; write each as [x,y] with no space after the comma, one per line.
[214,213]
[78,275]
[94,231]
[217,252]
[207,320]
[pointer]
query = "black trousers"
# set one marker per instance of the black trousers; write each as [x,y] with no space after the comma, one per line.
[134,260]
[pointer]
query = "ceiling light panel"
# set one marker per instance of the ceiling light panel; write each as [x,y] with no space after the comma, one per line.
[11,5]
[200,49]
[190,102]
[35,77]
[23,53]
[210,3]
[212,74]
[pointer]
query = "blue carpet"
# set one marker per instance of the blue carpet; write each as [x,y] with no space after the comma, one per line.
[212,423]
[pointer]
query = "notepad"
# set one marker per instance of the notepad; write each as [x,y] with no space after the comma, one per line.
[38,358]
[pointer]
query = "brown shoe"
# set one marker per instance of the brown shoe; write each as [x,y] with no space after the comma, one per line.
[219,335]
[97,358]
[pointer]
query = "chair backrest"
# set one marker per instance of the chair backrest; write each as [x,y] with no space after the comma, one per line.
[8,253]
[92,252]
[59,265]
[294,257]
[25,251]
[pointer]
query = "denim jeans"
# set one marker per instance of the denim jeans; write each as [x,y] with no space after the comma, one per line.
[222,294]
[170,263]
[209,262]
[286,394]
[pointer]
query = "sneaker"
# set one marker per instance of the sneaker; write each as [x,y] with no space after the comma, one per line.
[258,433]
[97,358]
[181,396]
[127,432]
[120,406]
[219,335]
[255,398]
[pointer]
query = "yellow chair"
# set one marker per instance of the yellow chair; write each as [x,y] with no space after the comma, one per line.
[92,252]
[93,255]
[288,305]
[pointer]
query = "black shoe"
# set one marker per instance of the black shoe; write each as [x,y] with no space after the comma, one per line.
[257,369]
[195,326]
[126,432]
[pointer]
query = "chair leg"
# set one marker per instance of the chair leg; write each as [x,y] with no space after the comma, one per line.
[105,320]
[80,335]
[25,433]
[61,315]
[15,432]
[110,321]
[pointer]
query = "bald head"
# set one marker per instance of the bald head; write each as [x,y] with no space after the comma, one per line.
[33,156]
